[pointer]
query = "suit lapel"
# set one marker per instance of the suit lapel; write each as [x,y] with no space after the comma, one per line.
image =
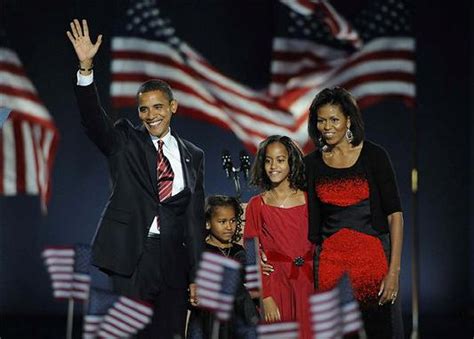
[151,158]
[186,162]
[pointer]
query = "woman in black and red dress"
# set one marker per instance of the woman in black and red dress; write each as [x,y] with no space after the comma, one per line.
[355,215]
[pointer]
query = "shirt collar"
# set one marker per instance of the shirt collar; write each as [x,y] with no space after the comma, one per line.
[166,139]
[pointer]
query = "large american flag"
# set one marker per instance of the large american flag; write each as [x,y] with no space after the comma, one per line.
[217,279]
[110,315]
[372,55]
[146,46]
[335,313]
[253,278]
[69,270]
[29,138]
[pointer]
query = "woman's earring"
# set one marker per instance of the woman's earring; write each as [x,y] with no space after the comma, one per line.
[349,135]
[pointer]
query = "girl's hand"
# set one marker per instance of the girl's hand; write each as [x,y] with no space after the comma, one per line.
[267,269]
[388,288]
[270,308]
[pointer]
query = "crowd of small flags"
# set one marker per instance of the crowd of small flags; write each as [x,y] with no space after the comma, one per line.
[333,313]
[107,315]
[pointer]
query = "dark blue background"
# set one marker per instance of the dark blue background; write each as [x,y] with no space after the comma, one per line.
[236,38]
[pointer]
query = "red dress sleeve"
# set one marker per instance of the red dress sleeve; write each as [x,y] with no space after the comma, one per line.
[252,219]
[253,227]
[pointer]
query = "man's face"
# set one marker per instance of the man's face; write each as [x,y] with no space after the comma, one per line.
[155,111]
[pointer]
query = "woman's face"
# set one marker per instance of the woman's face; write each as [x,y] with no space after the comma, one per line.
[277,167]
[222,224]
[332,124]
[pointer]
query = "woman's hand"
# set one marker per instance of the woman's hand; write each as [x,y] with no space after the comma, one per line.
[270,308]
[389,288]
[79,37]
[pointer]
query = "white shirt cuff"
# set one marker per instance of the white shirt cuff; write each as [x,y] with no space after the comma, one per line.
[85,80]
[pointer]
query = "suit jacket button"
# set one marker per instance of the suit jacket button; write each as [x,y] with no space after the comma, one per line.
[184,244]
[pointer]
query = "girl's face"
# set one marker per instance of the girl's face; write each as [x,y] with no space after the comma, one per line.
[222,224]
[332,124]
[277,167]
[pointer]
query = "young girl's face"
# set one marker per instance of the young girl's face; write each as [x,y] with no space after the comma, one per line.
[222,224]
[276,163]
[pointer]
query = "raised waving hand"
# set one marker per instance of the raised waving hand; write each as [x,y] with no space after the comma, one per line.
[81,41]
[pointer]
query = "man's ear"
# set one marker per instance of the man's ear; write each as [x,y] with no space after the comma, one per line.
[173,106]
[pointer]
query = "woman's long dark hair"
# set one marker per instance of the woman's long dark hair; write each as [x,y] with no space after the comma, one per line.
[214,201]
[296,177]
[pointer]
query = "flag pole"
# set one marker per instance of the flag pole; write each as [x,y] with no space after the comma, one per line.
[414,237]
[70,318]
[215,329]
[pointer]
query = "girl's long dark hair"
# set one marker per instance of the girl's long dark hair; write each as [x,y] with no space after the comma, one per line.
[296,177]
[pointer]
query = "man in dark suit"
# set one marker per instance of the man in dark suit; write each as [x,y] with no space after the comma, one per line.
[150,235]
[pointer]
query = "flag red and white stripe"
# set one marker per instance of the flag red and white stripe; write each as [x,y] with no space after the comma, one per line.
[253,277]
[216,280]
[68,268]
[29,138]
[381,66]
[278,330]
[125,318]
[59,262]
[326,314]
[335,313]
[377,68]
[201,90]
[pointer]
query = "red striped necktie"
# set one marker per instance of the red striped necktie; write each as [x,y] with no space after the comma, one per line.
[165,174]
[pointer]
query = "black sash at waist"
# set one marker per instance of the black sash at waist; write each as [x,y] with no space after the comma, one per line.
[356,217]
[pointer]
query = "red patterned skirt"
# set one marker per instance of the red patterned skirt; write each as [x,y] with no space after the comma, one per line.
[359,254]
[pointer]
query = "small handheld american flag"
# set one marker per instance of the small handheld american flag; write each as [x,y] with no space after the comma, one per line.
[113,316]
[253,278]
[278,330]
[68,267]
[335,312]
[217,281]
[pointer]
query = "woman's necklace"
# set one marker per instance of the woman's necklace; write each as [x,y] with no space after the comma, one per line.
[282,204]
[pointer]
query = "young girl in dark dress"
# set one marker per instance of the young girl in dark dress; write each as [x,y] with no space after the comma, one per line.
[224,225]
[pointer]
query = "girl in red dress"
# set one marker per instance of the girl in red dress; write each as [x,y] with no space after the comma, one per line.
[279,218]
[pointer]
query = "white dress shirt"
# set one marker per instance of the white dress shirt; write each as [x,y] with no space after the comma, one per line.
[170,150]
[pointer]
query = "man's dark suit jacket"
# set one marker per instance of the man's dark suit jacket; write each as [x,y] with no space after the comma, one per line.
[123,228]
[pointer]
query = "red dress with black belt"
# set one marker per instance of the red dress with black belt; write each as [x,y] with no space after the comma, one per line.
[282,233]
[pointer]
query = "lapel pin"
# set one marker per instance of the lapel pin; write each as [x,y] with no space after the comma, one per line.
[187,159]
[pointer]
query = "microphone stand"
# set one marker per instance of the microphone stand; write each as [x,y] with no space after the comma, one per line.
[233,172]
